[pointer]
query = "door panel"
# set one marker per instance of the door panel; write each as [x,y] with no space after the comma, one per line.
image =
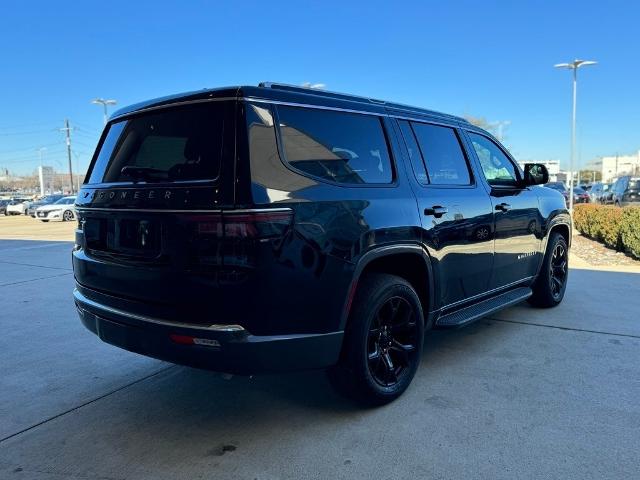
[517,217]
[517,236]
[457,220]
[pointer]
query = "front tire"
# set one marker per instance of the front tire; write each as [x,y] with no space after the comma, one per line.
[67,216]
[383,341]
[551,284]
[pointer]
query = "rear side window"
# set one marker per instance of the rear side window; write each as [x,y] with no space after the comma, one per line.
[442,154]
[179,143]
[336,146]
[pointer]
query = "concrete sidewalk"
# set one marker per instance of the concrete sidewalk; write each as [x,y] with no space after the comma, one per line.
[526,394]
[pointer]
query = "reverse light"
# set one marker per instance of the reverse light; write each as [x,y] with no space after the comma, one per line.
[188,340]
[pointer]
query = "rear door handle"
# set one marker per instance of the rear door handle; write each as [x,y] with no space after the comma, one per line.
[437,211]
[503,207]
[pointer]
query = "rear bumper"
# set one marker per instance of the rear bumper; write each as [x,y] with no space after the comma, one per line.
[221,348]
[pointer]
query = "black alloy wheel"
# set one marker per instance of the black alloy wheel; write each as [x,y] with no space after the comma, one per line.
[383,341]
[558,271]
[393,337]
[551,283]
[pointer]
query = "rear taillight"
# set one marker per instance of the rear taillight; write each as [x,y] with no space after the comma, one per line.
[230,239]
[249,224]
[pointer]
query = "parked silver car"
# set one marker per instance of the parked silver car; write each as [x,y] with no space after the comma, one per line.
[62,211]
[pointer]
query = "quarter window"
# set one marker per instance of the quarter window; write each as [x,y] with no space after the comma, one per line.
[414,152]
[498,169]
[336,146]
[442,154]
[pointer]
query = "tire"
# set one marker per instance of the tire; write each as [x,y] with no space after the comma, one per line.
[67,216]
[383,341]
[45,221]
[551,284]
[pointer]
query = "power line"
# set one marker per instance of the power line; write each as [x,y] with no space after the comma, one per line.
[29,158]
[32,132]
[3,152]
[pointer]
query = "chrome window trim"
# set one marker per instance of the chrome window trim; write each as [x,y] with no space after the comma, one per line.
[318,107]
[419,117]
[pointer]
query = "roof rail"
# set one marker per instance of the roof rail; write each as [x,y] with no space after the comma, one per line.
[317,91]
[356,98]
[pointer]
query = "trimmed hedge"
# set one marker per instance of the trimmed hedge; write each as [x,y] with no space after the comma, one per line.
[630,230]
[616,227]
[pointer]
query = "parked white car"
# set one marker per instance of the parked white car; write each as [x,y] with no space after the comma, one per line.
[62,211]
[17,207]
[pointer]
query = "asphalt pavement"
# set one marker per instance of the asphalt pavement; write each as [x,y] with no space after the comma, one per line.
[525,394]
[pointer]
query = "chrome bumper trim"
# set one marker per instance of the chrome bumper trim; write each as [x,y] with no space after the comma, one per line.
[82,300]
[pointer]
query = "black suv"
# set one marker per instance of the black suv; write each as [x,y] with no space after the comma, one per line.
[625,191]
[272,228]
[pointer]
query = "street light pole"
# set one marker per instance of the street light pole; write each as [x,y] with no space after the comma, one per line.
[573,66]
[104,103]
[40,171]
[40,150]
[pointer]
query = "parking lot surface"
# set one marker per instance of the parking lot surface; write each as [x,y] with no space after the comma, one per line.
[525,394]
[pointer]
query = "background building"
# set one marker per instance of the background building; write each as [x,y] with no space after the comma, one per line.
[46,176]
[618,165]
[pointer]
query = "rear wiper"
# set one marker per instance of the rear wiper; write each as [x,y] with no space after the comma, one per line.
[144,173]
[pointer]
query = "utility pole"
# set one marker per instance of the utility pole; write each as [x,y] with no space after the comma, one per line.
[67,131]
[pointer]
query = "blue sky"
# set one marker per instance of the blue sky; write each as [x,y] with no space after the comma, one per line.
[491,59]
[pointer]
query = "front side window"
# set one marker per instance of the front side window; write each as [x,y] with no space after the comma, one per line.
[336,146]
[498,169]
[442,154]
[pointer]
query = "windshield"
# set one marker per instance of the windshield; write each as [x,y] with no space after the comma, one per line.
[634,184]
[179,143]
[65,201]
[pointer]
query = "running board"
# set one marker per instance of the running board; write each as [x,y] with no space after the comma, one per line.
[475,312]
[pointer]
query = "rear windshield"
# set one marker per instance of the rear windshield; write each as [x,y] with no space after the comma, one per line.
[173,144]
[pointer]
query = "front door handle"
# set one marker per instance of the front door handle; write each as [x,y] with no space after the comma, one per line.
[503,207]
[437,211]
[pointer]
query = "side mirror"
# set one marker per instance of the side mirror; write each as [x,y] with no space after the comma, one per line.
[535,174]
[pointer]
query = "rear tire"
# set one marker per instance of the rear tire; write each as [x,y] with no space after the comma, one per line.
[383,341]
[551,284]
